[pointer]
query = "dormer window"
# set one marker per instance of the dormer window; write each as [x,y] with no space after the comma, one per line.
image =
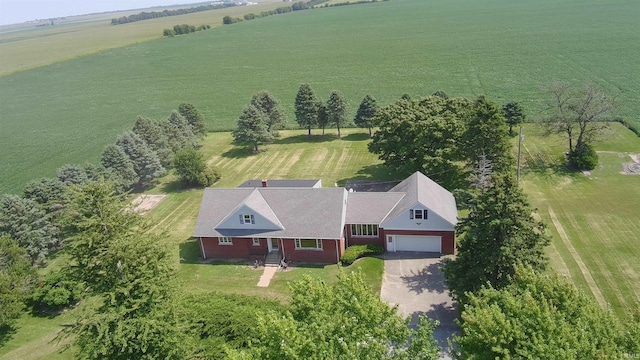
[418,214]
[247,219]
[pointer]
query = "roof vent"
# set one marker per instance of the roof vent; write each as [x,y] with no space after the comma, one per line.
[264,183]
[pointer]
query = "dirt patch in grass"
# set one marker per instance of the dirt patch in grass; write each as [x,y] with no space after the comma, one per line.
[146,202]
[632,168]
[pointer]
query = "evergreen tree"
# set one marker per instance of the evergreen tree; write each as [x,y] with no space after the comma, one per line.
[71,174]
[252,128]
[145,161]
[269,105]
[154,134]
[366,112]
[500,233]
[323,116]
[513,114]
[123,264]
[194,118]
[306,107]
[179,132]
[486,135]
[337,110]
[50,193]
[28,224]
[115,159]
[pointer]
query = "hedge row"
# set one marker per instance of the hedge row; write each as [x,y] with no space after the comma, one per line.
[357,251]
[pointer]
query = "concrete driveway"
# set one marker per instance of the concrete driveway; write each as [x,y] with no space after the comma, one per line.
[415,283]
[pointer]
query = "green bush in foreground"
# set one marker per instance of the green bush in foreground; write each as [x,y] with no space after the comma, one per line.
[357,251]
[584,157]
[55,292]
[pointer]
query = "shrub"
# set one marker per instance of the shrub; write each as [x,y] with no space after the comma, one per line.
[209,176]
[55,292]
[357,251]
[584,157]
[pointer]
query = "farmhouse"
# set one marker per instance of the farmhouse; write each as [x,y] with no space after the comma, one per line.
[303,222]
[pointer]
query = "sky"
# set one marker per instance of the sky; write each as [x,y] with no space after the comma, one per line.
[17,11]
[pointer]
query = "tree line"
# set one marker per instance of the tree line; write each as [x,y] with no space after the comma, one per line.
[300,5]
[34,225]
[146,15]
[183,30]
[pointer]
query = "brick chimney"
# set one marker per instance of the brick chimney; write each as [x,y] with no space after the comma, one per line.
[264,183]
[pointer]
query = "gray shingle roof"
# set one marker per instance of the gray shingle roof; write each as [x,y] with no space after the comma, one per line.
[303,212]
[419,188]
[304,183]
[370,208]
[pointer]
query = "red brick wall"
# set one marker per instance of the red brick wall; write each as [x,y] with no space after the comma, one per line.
[326,255]
[241,248]
[448,245]
[364,240]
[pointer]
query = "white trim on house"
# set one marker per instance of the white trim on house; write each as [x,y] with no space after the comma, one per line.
[299,242]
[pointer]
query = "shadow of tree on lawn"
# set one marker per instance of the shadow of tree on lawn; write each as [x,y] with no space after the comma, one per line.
[6,334]
[190,251]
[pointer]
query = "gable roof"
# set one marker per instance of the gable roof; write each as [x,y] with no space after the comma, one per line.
[256,204]
[301,212]
[370,207]
[418,188]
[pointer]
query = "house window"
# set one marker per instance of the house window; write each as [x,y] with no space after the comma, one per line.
[225,240]
[308,244]
[364,230]
[247,219]
[256,241]
[418,214]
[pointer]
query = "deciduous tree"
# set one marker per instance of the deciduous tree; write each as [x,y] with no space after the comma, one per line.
[28,224]
[189,164]
[422,135]
[252,128]
[342,321]
[366,112]
[500,233]
[269,105]
[17,278]
[306,107]
[578,113]
[538,317]
[337,110]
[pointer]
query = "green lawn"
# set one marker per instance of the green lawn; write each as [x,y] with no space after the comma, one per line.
[67,112]
[594,219]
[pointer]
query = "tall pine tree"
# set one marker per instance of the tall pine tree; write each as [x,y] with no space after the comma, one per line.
[306,107]
[366,112]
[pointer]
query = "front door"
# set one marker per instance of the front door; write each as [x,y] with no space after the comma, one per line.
[272,244]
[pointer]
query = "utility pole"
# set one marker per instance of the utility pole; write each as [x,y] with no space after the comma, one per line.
[519,150]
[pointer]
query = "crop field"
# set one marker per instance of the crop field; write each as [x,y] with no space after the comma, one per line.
[594,218]
[25,46]
[68,111]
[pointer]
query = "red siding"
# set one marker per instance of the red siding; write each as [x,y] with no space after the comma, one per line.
[448,245]
[326,255]
[241,248]
[364,240]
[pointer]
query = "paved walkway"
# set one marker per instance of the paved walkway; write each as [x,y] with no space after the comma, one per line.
[415,283]
[267,275]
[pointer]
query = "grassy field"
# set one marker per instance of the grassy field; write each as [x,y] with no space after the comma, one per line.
[594,219]
[67,112]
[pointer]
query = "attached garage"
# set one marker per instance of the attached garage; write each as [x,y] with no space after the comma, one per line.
[414,243]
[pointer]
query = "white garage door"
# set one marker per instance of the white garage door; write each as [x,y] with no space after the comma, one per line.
[418,243]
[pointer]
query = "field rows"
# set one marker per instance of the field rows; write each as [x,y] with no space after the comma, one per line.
[593,219]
